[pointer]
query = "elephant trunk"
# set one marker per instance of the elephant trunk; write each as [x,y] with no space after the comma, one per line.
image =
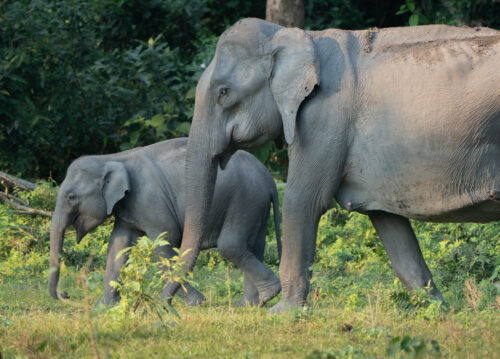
[57,229]
[204,151]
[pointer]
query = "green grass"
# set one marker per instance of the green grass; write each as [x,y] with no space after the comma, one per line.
[355,310]
[32,324]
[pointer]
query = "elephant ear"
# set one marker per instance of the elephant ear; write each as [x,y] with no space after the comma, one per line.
[294,73]
[115,184]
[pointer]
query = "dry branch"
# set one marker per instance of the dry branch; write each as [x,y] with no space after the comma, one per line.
[16,199]
[21,209]
[19,182]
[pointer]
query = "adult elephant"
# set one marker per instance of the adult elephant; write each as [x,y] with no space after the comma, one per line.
[394,123]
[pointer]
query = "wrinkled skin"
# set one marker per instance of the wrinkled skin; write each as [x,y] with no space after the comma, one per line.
[144,190]
[394,123]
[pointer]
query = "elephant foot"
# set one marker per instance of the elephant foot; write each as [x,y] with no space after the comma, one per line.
[109,301]
[269,292]
[279,308]
[194,300]
[436,293]
[247,302]
[283,307]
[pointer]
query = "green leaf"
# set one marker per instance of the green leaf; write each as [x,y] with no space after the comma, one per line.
[411,5]
[157,120]
[413,21]
[133,120]
[191,93]
[134,137]
[402,10]
[123,251]
[184,128]
[135,286]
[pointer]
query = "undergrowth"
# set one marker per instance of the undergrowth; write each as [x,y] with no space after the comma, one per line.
[356,307]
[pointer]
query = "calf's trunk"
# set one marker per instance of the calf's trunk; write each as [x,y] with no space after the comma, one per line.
[57,229]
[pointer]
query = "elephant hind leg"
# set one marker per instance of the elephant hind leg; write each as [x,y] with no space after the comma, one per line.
[401,245]
[250,291]
[193,297]
[234,247]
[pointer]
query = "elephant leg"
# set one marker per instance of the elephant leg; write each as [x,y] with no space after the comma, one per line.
[250,291]
[401,245]
[234,247]
[300,223]
[313,178]
[191,297]
[122,237]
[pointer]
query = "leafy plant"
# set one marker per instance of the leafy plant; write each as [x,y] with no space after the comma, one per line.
[143,278]
[412,347]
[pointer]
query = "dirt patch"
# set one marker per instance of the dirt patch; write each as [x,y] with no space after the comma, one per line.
[485,42]
[369,38]
[432,51]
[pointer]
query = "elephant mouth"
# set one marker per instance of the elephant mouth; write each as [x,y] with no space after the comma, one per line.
[79,227]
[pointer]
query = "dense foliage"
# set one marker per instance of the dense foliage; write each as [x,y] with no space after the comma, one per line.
[86,77]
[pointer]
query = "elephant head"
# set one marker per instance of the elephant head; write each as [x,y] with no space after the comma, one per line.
[248,95]
[86,198]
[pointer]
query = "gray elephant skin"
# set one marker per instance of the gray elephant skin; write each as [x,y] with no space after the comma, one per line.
[394,123]
[144,189]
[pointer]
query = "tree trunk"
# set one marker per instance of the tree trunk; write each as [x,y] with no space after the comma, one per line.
[288,13]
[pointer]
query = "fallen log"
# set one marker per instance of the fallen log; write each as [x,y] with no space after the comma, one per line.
[17,182]
[22,209]
[20,205]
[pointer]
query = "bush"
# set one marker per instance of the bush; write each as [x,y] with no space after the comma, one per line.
[143,277]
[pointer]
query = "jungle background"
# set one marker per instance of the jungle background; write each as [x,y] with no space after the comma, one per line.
[101,76]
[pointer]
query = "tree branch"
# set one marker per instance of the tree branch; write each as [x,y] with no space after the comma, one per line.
[16,199]
[24,209]
[26,185]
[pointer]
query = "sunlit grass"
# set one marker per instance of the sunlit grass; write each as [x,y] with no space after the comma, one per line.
[35,325]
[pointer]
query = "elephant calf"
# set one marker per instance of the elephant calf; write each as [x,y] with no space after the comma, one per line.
[144,189]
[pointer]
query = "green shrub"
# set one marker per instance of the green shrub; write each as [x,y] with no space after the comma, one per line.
[143,277]
[413,347]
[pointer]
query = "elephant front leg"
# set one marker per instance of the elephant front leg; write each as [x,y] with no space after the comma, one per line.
[312,181]
[404,252]
[121,238]
[300,224]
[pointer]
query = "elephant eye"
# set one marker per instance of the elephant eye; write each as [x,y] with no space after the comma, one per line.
[222,93]
[71,196]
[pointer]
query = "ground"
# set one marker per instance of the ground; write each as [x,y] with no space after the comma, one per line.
[356,308]
[32,324]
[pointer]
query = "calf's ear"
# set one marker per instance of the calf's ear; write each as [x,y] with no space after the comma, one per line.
[114,184]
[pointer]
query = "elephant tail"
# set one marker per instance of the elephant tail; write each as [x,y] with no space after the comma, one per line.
[276,211]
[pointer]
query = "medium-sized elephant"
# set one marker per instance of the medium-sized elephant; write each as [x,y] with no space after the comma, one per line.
[144,189]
